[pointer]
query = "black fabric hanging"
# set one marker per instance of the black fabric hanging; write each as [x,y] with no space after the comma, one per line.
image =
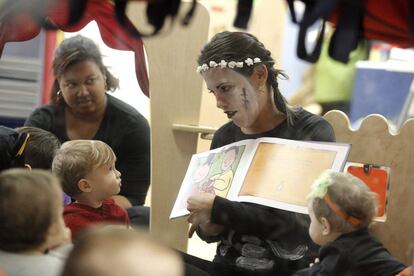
[156,13]
[244,10]
[355,20]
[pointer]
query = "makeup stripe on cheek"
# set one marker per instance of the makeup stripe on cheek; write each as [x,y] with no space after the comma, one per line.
[245,100]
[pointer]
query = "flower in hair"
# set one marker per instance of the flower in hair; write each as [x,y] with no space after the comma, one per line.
[231,64]
[223,64]
[257,60]
[249,61]
[320,185]
[213,64]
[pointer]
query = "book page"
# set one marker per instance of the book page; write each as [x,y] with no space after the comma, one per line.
[211,172]
[285,174]
[281,174]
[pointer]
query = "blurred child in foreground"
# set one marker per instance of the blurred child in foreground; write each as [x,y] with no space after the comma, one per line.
[33,236]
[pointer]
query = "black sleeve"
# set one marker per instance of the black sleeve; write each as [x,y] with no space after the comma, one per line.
[219,140]
[258,220]
[334,262]
[324,132]
[41,118]
[133,161]
[319,130]
[223,136]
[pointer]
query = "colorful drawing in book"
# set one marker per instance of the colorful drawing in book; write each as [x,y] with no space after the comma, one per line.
[229,161]
[201,183]
[199,178]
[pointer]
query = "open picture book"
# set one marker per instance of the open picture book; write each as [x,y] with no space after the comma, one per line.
[268,171]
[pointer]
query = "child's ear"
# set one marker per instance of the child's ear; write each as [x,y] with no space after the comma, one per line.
[84,185]
[326,226]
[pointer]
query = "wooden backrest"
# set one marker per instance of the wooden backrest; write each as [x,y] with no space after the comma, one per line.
[373,143]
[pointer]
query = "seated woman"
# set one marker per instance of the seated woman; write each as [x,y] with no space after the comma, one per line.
[82,109]
[254,240]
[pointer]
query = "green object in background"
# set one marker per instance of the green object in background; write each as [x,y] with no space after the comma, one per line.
[333,79]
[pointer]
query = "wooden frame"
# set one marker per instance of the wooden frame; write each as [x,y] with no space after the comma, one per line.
[373,143]
[175,97]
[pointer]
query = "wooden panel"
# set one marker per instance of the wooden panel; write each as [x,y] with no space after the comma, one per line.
[373,143]
[175,97]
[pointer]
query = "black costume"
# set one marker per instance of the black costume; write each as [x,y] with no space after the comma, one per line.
[258,239]
[124,129]
[355,254]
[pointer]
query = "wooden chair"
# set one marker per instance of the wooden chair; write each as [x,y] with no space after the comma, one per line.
[373,143]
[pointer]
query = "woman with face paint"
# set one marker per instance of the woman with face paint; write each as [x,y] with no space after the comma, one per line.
[253,239]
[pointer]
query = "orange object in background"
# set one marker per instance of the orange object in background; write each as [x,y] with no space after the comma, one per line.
[406,272]
[377,180]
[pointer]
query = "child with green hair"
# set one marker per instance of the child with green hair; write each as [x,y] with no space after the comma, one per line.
[341,207]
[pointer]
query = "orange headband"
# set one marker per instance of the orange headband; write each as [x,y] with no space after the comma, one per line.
[352,220]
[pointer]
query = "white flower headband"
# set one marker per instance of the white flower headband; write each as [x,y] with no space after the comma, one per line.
[231,64]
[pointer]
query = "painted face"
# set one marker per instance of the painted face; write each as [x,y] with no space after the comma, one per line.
[83,87]
[228,159]
[105,180]
[235,95]
[315,228]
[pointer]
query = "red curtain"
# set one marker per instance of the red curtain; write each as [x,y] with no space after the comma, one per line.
[23,26]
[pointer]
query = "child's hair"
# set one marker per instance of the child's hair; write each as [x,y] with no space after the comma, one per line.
[12,147]
[75,159]
[27,145]
[41,147]
[344,200]
[130,252]
[27,208]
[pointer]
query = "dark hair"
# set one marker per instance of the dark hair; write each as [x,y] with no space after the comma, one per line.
[74,50]
[27,208]
[41,147]
[238,46]
[11,146]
